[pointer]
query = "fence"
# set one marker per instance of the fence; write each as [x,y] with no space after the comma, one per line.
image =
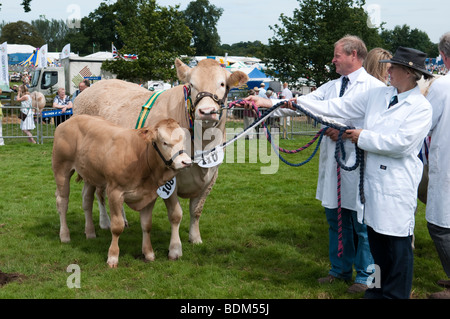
[47,120]
[45,124]
[288,127]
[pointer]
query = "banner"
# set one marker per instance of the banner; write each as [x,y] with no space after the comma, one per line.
[4,75]
[42,57]
[65,52]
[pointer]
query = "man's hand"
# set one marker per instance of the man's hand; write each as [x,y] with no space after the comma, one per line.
[258,101]
[353,135]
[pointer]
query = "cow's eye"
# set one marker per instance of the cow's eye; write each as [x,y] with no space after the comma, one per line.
[222,84]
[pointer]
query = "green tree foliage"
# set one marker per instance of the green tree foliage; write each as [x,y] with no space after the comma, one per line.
[202,17]
[53,32]
[156,34]
[21,32]
[303,44]
[249,49]
[404,36]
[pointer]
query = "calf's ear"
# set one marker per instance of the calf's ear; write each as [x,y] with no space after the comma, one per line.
[147,134]
[237,78]
[183,71]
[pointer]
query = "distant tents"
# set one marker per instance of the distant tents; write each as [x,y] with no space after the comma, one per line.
[33,58]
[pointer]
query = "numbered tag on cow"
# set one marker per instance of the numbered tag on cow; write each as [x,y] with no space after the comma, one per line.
[212,159]
[167,189]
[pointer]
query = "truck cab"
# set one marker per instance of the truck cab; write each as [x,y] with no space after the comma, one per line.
[47,80]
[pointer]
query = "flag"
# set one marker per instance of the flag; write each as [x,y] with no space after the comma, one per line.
[115,53]
[4,75]
[42,56]
[65,53]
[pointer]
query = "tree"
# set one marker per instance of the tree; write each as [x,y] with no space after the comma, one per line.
[21,32]
[25,4]
[53,32]
[157,35]
[303,45]
[404,36]
[201,17]
[250,49]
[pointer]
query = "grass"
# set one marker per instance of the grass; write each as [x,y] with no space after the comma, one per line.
[264,236]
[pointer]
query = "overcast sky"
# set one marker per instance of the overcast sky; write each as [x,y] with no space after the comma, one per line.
[244,20]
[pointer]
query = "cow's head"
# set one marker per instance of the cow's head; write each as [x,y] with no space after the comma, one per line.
[169,140]
[209,85]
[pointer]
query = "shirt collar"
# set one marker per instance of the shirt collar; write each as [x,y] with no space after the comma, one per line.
[354,75]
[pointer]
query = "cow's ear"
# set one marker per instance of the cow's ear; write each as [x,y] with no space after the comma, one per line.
[147,134]
[236,79]
[183,71]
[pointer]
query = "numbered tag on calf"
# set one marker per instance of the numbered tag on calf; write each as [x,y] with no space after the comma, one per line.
[212,159]
[167,189]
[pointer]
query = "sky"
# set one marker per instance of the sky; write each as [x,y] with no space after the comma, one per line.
[244,20]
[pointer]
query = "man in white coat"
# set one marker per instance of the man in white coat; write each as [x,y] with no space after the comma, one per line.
[349,55]
[438,199]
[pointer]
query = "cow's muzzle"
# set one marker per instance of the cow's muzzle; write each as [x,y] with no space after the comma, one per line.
[169,162]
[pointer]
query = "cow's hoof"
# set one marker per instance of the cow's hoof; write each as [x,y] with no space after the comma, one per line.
[149,257]
[174,255]
[113,262]
[90,236]
[64,238]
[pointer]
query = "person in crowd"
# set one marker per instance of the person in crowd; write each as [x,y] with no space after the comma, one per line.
[286,93]
[62,102]
[262,90]
[26,125]
[396,121]
[438,200]
[376,69]
[349,54]
[81,87]
[2,142]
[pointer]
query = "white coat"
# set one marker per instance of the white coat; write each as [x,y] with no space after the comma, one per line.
[438,198]
[392,139]
[360,81]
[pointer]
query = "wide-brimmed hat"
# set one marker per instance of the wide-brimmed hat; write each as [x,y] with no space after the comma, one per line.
[410,58]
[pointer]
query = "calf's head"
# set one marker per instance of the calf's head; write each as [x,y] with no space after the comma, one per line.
[169,140]
[209,84]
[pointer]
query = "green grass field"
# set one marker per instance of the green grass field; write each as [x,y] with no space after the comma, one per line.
[264,236]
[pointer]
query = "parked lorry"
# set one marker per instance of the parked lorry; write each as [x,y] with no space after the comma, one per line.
[47,80]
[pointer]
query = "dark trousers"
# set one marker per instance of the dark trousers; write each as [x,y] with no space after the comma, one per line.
[441,239]
[395,260]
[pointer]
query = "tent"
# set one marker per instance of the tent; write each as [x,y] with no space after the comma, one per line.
[256,77]
[19,52]
[33,58]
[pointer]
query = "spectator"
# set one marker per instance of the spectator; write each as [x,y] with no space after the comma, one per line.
[2,142]
[81,87]
[376,69]
[62,102]
[26,125]
[286,94]
[262,90]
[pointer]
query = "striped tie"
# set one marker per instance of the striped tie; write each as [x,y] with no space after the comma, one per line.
[344,85]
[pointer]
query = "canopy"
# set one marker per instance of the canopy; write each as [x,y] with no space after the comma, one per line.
[32,59]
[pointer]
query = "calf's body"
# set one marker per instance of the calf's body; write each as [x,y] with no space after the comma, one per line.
[122,162]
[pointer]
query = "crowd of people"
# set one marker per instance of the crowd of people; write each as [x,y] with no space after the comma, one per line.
[62,101]
[378,94]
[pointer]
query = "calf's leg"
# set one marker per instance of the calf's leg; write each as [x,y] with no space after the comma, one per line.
[117,224]
[88,200]
[62,180]
[175,214]
[146,224]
